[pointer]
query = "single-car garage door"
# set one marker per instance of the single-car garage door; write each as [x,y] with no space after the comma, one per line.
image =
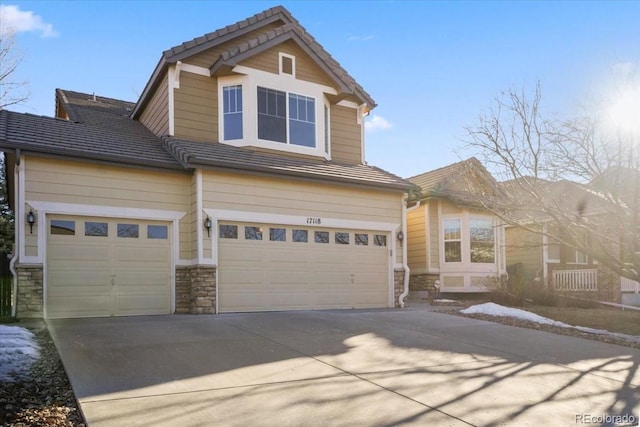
[266,267]
[107,267]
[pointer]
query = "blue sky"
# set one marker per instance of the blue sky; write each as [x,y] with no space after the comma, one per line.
[432,67]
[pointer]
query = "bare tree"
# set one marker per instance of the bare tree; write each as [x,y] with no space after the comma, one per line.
[11,92]
[565,173]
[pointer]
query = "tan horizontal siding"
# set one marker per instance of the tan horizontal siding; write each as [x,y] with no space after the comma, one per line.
[346,135]
[196,108]
[290,197]
[416,238]
[156,114]
[70,182]
[524,247]
[305,68]
[434,234]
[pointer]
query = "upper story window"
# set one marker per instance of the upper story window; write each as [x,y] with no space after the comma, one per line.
[232,104]
[274,111]
[294,125]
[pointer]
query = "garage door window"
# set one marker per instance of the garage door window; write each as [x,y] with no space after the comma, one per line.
[228,231]
[67,228]
[157,232]
[96,229]
[380,240]
[128,230]
[362,239]
[321,236]
[277,234]
[301,236]
[342,238]
[253,233]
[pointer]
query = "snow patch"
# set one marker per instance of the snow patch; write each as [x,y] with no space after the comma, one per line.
[18,350]
[497,310]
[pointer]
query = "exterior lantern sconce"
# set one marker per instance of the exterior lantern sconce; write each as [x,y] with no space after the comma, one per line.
[207,225]
[400,236]
[31,219]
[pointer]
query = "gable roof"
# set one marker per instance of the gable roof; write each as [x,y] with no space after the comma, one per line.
[289,30]
[100,129]
[438,182]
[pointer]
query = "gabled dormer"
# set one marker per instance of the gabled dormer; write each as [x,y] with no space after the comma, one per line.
[262,83]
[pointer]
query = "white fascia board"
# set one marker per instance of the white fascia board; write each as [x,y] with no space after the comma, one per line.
[284,82]
[194,69]
[348,104]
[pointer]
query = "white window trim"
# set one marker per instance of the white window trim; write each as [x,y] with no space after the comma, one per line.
[461,240]
[545,249]
[250,80]
[466,265]
[293,64]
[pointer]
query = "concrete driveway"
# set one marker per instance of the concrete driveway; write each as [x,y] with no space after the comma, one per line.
[337,368]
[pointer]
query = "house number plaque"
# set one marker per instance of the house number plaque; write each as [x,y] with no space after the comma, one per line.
[316,221]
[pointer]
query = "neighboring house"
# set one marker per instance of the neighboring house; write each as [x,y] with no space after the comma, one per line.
[535,255]
[237,182]
[450,239]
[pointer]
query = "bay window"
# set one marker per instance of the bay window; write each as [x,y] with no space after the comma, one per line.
[469,239]
[482,245]
[452,241]
[232,107]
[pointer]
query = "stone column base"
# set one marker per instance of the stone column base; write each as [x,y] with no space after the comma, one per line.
[195,289]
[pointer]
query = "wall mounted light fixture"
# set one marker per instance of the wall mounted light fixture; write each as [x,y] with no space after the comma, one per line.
[31,219]
[207,225]
[400,236]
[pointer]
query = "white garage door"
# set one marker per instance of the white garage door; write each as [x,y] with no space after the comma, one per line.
[273,267]
[107,267]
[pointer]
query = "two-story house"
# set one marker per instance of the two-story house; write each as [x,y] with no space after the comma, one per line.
[237,182]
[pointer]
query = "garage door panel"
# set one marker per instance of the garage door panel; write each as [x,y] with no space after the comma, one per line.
[79,306]
[276,275]
[107,275]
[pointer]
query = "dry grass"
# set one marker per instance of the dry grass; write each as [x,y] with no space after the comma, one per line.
[610,319]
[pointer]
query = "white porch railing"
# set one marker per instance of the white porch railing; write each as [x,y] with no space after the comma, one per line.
[628,285]
[576,280]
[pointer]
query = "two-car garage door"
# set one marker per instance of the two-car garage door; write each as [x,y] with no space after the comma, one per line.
[107,267]
[264,267]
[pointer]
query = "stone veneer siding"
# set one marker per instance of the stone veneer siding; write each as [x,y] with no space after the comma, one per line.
[423,282]
[398,286]
[30,301]
[195,289]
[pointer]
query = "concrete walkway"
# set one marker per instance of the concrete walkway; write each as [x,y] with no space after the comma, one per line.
[338,368]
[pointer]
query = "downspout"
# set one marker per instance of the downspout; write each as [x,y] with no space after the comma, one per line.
[14,258]
[405,264]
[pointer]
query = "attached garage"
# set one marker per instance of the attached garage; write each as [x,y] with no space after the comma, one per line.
[107,267]
[268,267]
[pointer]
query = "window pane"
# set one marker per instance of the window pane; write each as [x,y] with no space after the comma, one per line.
[253,233]
[157,231]
[553,252]
[452,251]
[321,236]
[379,240]
[362,239]
[482,252]
[481,240]
[300,236]
[228,231]
[342,238]
[277,234]
[452,229]
[232,112]
[128,230]
[67,228]
[272,121]
[98,229]
[302,120]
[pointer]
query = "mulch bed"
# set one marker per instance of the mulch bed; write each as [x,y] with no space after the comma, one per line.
[43,398]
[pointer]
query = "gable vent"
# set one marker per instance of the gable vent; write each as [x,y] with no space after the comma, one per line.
[286,65]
